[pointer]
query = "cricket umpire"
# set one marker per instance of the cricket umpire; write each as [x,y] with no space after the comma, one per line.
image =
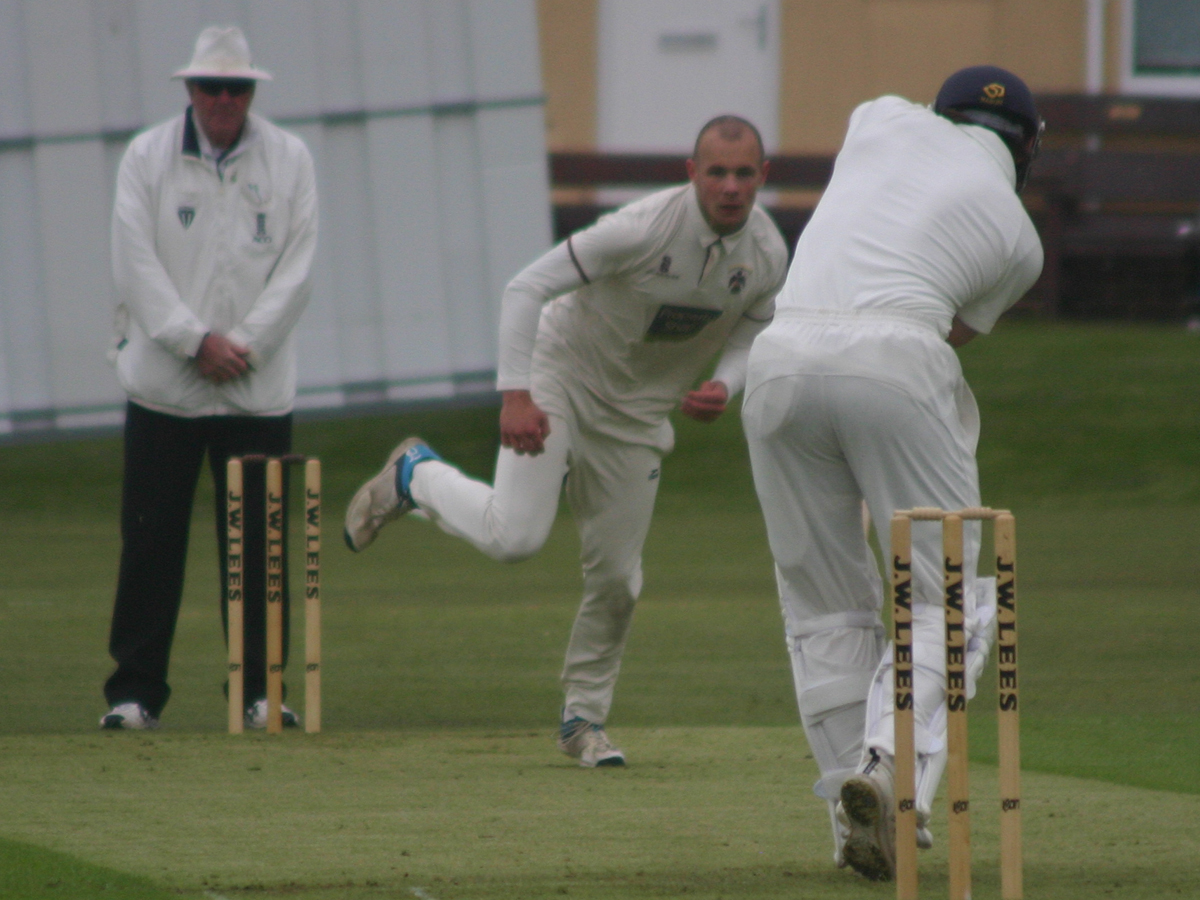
[213,232]
[855,392]
[600,339]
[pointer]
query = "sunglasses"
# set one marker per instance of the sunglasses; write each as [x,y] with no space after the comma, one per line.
[234,87]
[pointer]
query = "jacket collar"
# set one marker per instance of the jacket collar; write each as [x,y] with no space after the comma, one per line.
[196,144]
[191,143]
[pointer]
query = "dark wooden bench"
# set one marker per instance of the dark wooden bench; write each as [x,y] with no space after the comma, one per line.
[1116,196]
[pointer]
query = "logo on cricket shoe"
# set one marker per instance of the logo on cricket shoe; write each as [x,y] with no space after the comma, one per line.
[186,215]
[653,475]
[737,279]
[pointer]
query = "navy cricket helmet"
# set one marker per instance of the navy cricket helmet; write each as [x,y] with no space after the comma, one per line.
[997,100]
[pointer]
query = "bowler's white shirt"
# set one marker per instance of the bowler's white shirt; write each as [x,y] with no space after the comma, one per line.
[625,315]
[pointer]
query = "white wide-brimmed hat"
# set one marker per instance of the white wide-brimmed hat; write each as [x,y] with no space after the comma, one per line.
[222,52]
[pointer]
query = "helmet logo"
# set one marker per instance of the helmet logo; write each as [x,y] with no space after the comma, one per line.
[993,94]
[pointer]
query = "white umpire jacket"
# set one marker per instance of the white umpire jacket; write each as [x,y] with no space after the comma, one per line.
[196,250]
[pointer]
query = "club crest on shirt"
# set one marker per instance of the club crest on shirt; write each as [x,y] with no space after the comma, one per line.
[737,279]
[186,215]
[664,268]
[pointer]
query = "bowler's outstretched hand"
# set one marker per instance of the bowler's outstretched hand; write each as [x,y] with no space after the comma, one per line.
[523,425]
[706,403]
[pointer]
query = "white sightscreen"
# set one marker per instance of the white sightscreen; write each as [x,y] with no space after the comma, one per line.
[425,121]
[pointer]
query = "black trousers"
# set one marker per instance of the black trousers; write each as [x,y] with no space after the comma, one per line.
[163,456]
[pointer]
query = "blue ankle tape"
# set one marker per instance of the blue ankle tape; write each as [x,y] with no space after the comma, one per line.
[415,454]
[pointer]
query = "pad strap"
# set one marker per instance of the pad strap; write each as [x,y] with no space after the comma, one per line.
[854,618]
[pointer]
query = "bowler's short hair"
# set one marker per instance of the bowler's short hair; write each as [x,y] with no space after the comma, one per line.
[730,128]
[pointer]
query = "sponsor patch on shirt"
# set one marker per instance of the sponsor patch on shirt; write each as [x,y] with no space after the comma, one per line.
[678,323]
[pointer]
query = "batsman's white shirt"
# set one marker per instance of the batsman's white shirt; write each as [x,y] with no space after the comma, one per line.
[853,392]
[919,218]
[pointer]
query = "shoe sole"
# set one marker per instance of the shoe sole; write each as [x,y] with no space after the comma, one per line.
[610,762]
[364,493]
[117,723]
[862,851]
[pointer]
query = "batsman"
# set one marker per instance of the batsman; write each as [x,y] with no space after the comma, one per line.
[855,392]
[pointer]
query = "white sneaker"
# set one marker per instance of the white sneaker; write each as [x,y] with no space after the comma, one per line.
[256,716]
[588,742]
[924,835]
[376,503]
[868,807]
[131,716]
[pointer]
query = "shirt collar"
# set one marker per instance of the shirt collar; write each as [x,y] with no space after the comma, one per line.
[706,235]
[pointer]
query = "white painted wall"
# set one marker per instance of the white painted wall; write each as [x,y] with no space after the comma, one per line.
[668,66]
[425,121]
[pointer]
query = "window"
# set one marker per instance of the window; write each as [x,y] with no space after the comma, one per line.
[1161,47]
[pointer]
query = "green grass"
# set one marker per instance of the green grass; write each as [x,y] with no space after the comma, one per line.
[452,813]
[441,676]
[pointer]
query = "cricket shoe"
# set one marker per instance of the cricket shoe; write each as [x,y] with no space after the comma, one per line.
[256,716]
[868,808]
[588,742]
[129,716]
[924,835]
[385,497]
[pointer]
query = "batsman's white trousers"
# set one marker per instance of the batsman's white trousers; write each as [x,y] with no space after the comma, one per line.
[610,486]
[844,407]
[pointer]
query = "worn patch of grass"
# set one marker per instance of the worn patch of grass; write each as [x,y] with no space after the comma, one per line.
[29,872]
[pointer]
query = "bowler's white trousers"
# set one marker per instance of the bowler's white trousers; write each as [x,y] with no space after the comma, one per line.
[842,407]
[610,486]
